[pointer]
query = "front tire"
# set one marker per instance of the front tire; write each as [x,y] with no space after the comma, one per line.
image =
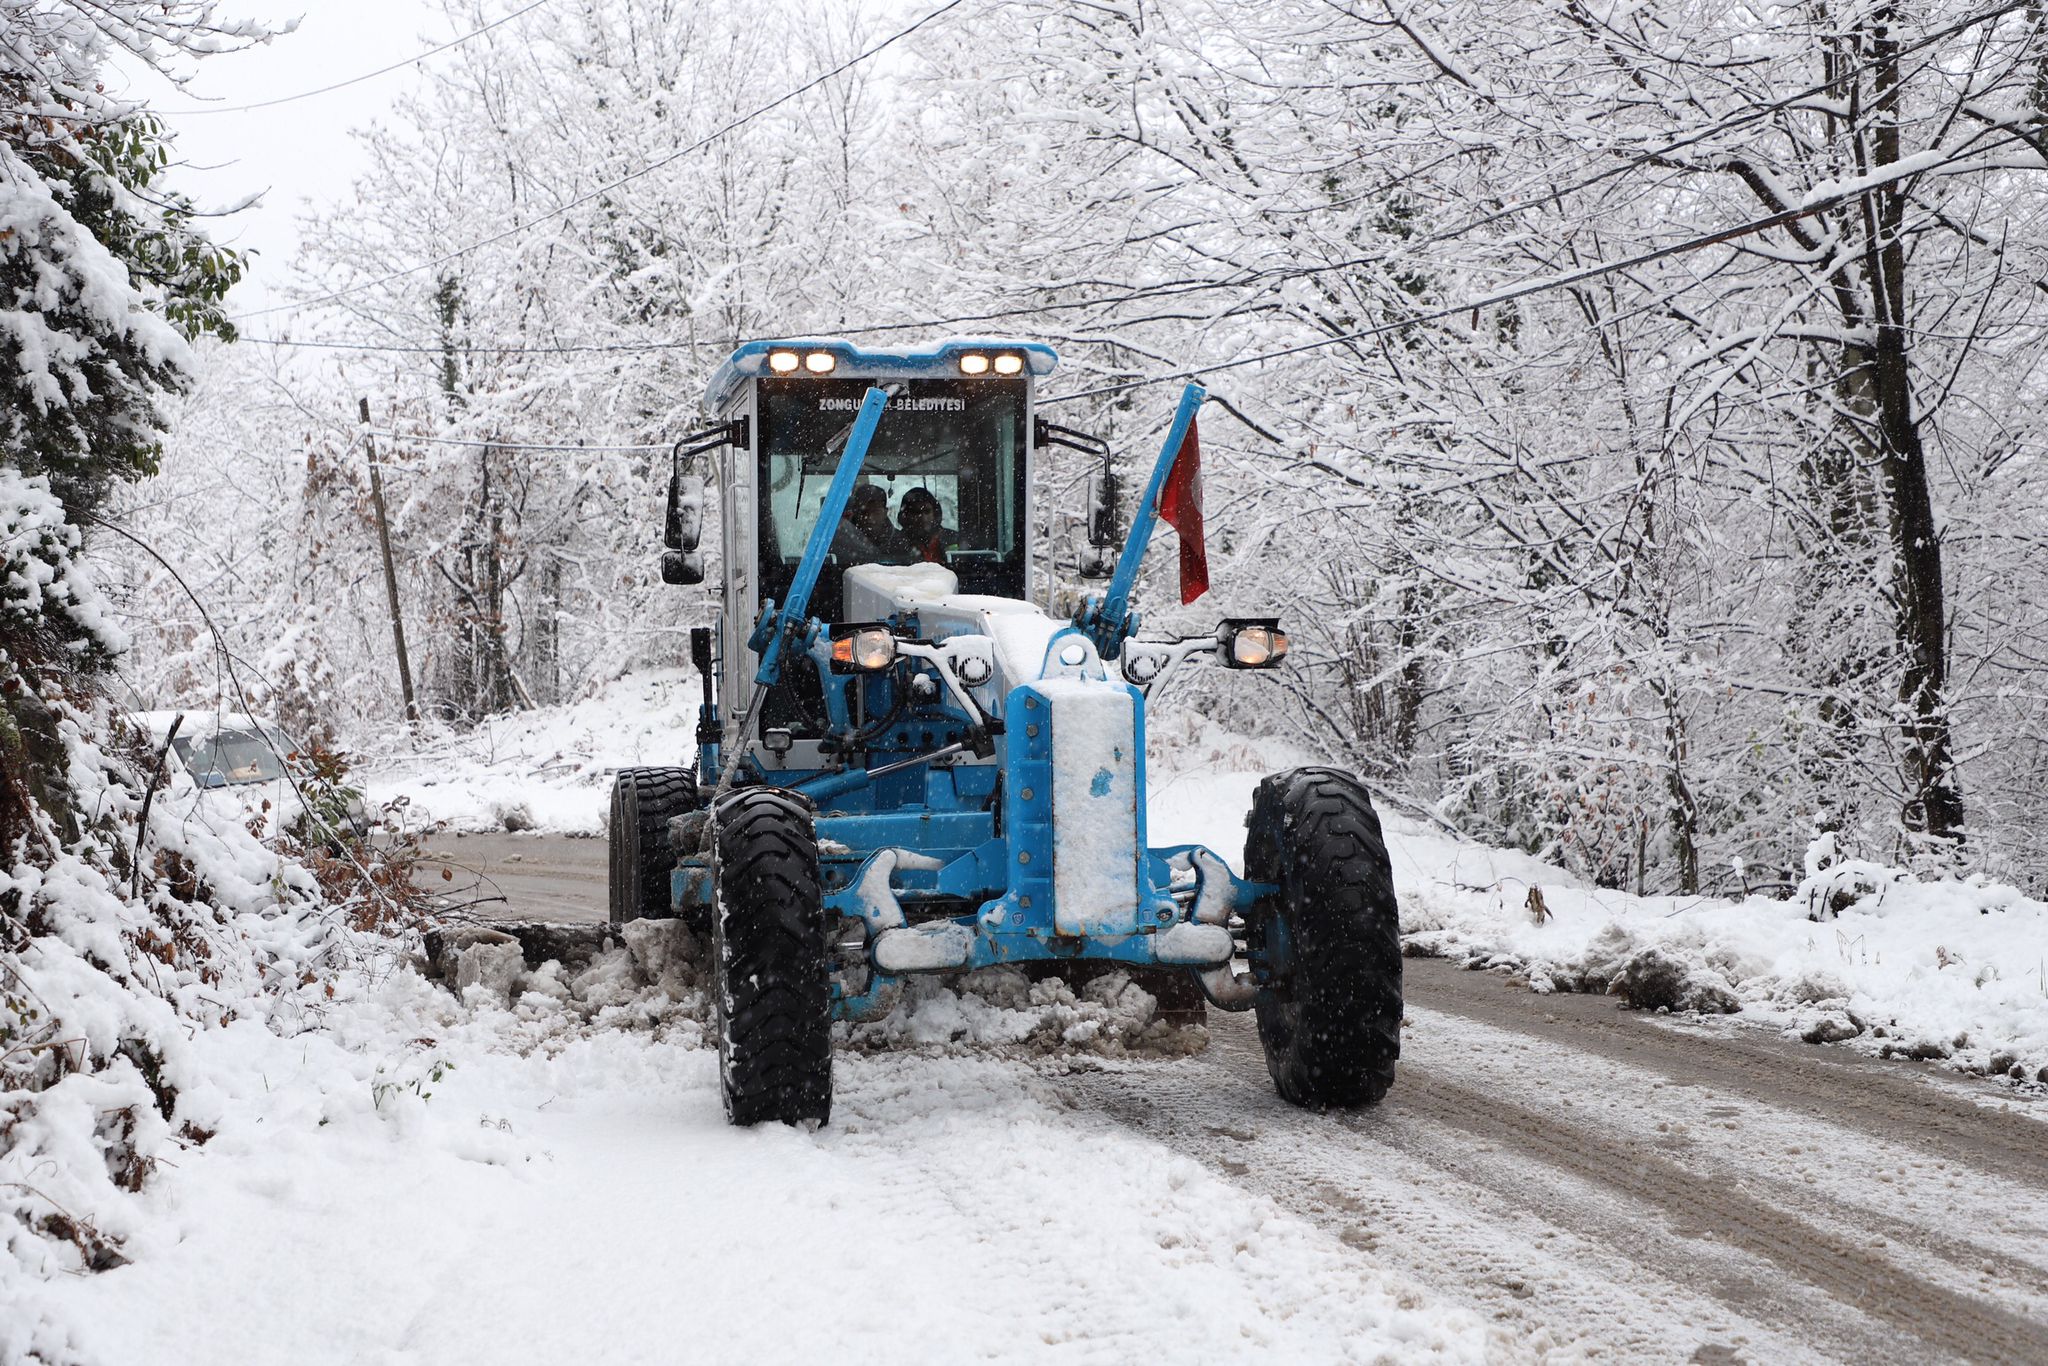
[644,800]
[1327,944]
[773,990]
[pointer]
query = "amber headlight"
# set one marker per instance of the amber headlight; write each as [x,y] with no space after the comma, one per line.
[862,649]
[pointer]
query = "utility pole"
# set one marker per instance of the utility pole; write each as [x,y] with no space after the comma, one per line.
[412,710]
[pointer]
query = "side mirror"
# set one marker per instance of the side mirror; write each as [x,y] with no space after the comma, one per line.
[684,567]
[1251,643]
[685,528]
[1105,537]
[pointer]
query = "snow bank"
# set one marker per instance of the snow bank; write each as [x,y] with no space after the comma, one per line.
[107,999]
[1949,971]
[542,770]
[1002,1012]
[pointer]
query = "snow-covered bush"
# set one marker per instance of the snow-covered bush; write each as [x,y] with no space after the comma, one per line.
[123,928]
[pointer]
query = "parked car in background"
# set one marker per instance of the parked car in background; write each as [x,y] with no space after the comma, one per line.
[229,766]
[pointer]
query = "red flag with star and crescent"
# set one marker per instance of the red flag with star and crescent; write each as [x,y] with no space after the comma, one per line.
[1180,504]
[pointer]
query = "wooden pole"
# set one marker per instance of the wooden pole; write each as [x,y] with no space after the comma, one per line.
[412,710]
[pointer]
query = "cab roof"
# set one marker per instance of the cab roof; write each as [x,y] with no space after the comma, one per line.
[936,361]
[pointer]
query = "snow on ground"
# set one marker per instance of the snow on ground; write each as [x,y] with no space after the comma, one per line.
[429,1180]
[542,770]
[1949,971]
[539,1170]
[1954,971]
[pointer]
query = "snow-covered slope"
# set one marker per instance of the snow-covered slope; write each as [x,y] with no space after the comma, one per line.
[543,770]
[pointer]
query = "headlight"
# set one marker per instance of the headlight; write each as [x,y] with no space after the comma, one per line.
[783,362]
[820,362]
[1252,644]
[1009,365]
[974,364]
[862,649]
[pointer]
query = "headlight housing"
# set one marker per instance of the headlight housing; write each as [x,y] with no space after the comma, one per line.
[1251,642]
[862,649]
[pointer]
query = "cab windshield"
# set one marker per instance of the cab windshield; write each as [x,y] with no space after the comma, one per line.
[943,481]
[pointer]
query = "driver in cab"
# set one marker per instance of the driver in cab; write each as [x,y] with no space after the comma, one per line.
[866,535]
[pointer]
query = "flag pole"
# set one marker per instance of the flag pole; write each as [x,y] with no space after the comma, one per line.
[1108,620]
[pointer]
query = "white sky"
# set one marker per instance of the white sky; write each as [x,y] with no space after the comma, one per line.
[301,151]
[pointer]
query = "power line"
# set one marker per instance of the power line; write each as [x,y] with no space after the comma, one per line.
[1508,295]
[406,437]
[603,190]
[1522,290]
[1136,294]
[1544,284]
[565,349]
[353,80]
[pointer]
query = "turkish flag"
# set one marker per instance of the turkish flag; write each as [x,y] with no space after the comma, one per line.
[1180,503]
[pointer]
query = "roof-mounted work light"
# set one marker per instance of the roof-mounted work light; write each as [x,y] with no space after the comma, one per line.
[820,362]
[974,363]
[1009,365]
[783,362]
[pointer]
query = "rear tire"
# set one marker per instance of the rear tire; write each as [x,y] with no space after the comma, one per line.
[773,991]
[644,800]
[1327,945]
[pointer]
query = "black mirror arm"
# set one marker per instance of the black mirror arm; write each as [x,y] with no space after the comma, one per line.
[1052,434]
[687,448]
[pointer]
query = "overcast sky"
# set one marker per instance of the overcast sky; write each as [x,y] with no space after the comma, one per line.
[298,151]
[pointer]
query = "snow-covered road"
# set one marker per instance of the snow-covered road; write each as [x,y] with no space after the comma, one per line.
[1589,1179]
[426,1180]
[1644,1190]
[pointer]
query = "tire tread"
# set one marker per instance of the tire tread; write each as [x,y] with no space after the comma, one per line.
[1332,1032]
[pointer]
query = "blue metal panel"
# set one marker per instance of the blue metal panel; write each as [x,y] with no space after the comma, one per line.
[1027,817]
[926,832]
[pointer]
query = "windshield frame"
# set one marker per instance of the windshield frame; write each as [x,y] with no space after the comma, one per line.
[998,569]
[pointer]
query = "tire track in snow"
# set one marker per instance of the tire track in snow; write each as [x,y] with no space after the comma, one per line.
[1898,1101]
[1439,1139]
[1857,1276]
[1970,1233]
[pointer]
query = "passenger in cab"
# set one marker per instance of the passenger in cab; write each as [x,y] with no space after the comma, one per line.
[923,527]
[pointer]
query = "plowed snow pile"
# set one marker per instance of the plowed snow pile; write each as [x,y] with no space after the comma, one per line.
[1949,971]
